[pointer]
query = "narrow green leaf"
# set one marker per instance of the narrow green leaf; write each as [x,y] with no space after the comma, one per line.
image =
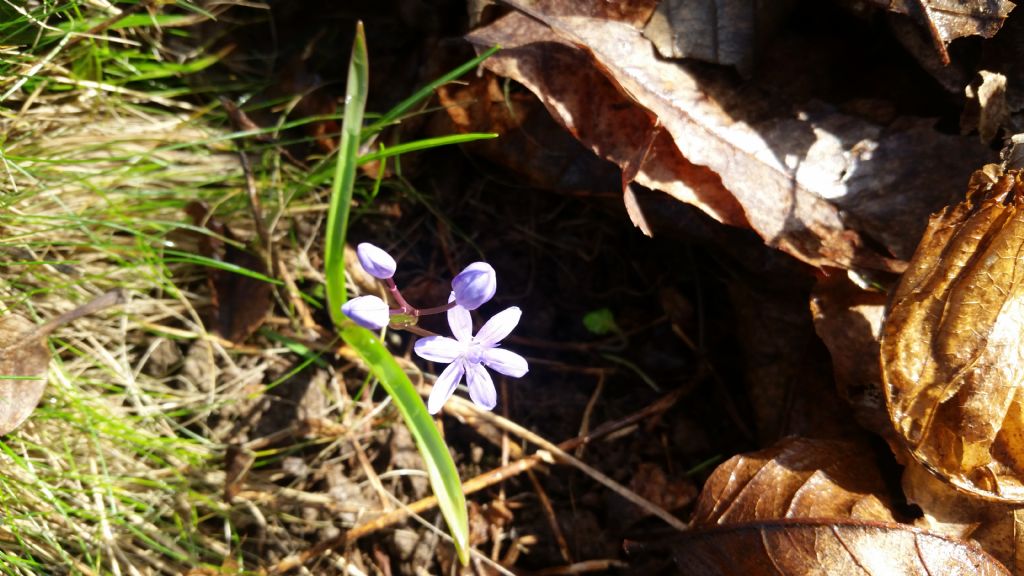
[345,175]
[444,479]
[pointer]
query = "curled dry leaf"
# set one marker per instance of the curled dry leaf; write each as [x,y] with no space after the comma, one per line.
[948,20]
[952,353]
[997,527]
[796,478]
[811,182]
[848,320]
[25,359]
[727,32]
[828,548]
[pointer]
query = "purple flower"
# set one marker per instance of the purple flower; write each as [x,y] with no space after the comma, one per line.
[368,311]
[375,261]
[475,285]
[468,355]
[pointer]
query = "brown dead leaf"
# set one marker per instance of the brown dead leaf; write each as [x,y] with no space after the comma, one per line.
[952,354]
[828,548]
[652,483]
[532,145]
[727,32]
[25,359]
[811,182]
[986,109]
[788,378]
[848,320]
[594,110]
[997,527]
[948,20]
[633,12]
[796,478]
[240,303]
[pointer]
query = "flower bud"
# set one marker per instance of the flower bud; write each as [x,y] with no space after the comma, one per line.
[475,285]
[368,311]
[375,261]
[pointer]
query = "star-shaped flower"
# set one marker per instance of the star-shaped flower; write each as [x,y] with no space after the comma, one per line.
[468,355]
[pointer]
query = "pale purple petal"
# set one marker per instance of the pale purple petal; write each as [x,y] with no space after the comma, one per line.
[367,311]
[481,387]
[461,323]
[439,349]
[500,325]
[375,261]
[444,386]
[475,285]
[505,362]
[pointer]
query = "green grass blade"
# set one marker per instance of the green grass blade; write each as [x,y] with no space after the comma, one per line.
[345,175]
[444,479]
[424,144]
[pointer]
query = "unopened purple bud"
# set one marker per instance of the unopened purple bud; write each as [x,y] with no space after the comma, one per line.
[368,311]
[375,261]
[475,285]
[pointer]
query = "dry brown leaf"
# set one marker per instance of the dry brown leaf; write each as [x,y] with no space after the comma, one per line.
[240,303]
[727,32]
[796,478]
[634,12]
[531,144]
[848,320]
[948,20]
[25,359]
[809,182]
[826,548]
[952,354]
[986,109]
[997,527]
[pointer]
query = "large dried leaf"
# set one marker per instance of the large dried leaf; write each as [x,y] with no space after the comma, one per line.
[848,320]
[796,478]
[821,547]
[241,303]
[728,32]
[785,367]
[998,528]
[810,182]
[952,19]
[952,354]
[25,359]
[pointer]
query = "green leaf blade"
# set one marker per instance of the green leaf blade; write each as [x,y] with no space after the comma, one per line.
[444,478]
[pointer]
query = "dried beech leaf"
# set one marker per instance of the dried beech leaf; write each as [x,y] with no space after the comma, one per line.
[952,19]
[634,12]
[809,182]
[952,353]
[532,144]
[849,321]
[727,32]
[25,359]
[826,548]
[240,303]
[796,478]
[997,527]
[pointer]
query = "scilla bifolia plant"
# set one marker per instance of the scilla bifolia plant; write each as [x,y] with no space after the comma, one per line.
[466,355]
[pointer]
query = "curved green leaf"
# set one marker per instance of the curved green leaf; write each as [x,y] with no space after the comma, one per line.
[444,479]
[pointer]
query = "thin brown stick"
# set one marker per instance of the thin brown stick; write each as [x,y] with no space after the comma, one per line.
[549,512]
[473,485]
